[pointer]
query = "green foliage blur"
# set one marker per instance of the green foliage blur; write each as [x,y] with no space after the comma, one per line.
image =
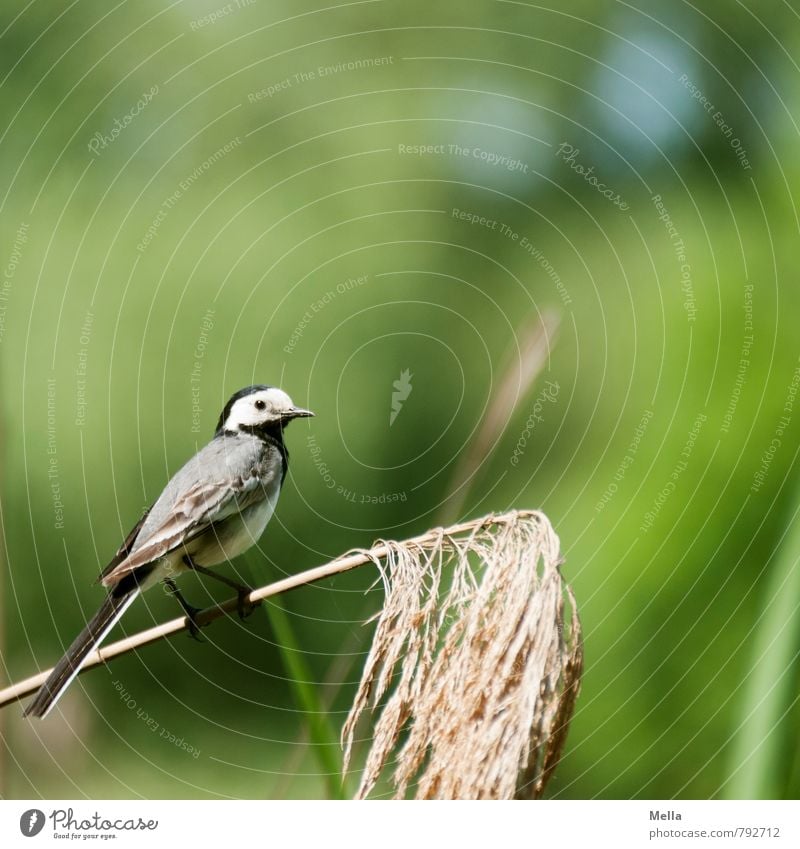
[200,196]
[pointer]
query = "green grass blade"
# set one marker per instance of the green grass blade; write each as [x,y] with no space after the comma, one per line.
[764,738]
[324,739]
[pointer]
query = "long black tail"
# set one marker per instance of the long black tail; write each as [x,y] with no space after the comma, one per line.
[88,639]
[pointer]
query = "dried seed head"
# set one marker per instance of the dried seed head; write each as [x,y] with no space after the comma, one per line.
[485,674]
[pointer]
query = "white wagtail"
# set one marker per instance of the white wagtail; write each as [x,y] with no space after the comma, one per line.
[212,510]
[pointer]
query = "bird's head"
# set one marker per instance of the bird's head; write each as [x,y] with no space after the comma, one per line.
[257,408]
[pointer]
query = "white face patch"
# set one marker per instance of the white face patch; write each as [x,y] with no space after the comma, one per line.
[260,408]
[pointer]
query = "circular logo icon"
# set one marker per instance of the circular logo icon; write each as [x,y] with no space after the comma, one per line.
[31,822]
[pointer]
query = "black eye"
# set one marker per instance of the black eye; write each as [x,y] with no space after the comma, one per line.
[260,405]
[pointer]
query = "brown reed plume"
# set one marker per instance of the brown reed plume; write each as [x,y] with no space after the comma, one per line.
[477,666]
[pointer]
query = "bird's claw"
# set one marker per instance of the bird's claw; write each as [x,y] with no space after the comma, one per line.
[244,607]
[190,610]
[192,624]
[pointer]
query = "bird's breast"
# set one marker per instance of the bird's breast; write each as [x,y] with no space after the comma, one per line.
[232,536]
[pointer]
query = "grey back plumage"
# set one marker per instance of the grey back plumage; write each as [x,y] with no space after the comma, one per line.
[230,474]
[229,460]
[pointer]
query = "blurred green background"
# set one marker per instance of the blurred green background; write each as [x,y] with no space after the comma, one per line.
[198,196]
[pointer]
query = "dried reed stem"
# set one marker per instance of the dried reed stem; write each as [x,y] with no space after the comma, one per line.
[538,337]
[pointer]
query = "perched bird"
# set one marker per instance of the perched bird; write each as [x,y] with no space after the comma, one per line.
[212,510]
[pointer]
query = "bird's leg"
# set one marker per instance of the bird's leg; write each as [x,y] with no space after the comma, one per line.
[243,607]
[189,609]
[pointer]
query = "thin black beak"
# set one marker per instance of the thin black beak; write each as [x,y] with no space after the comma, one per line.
[298,413]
